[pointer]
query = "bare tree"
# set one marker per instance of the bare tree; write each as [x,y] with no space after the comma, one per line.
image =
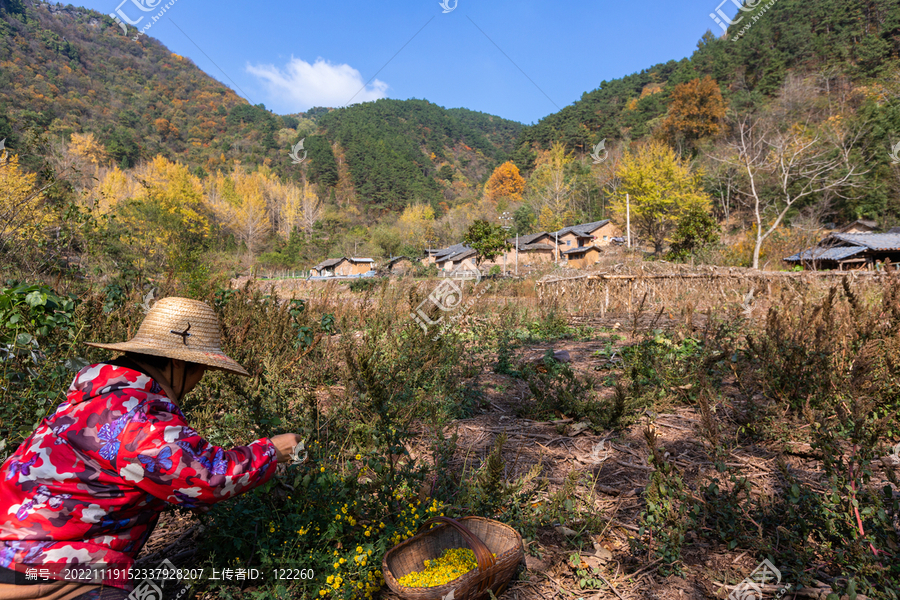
[310,208]
[786,165]
[723,182]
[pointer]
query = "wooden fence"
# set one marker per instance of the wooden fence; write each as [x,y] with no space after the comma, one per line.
[622,293]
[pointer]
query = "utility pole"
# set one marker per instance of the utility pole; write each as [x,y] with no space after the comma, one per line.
[556,233]
[507,217]
[628,217]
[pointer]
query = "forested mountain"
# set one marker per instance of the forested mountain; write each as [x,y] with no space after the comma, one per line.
[845,54]
[859,39]
[396,149]
[119,131]
[71,70]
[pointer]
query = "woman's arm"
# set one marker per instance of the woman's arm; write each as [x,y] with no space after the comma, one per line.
[164,456]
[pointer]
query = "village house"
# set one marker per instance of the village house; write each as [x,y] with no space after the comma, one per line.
[536,248]
[325,268]
[850,251]
[351,267]
[464,260]
[343,267]
[581,258]
[598,233]
[457,256]
[433,255]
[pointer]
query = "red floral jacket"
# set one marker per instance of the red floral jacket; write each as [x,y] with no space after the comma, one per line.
[87,487]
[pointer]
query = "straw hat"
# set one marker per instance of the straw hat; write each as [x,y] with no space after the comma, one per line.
[183,329]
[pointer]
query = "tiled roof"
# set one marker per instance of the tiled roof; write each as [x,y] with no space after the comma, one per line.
[582,250]
[532,238]
[873,241]
[836,253]
[328,263]
[361,260]
[583,230]
[864,222]
[462,255]
[442,254]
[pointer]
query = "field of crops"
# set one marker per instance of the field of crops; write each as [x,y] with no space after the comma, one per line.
[646,442]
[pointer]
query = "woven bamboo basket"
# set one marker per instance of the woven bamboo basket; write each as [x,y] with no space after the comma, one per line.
[484,536]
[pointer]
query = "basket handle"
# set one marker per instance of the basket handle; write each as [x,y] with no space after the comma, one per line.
[483,555]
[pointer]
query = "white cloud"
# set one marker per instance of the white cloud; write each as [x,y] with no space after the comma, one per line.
[301,85]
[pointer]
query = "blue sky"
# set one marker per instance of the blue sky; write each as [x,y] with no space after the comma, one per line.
[519,60]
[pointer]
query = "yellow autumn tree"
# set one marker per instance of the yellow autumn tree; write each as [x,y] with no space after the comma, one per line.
[551,187]
[696,111]
[288,207]
[505,183]
[657,187]
[416,226]
[87,147]
[310,208]
[164,217]
[550,221]
[21,215]
[241,202]
[114,187]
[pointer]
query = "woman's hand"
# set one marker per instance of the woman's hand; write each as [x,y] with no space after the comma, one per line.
[284,445]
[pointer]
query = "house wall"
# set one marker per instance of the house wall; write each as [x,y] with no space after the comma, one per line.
[568,241]
[608,231]
[449,265]
[350,268]
[468,264]
[584,260]
[343,269]
[325,271]
[526,257]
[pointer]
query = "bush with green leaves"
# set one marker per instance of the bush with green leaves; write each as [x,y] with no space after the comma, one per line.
[669,511]
[36,328]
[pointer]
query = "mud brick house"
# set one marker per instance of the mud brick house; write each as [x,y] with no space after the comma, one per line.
[399,265]
[850,251]
[452,257]
[598,233]
[354,266]
[581,258]
[326,267]
[536,248]
[462,260]
[433,255]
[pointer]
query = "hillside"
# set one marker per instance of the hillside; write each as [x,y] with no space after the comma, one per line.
[395,149]
[68,69]
[387,177]
[848,50]
[858,39]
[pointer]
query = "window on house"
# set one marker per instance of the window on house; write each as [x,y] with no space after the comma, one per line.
[568,242]
[604,238]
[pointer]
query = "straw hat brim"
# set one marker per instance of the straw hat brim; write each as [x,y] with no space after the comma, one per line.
[212,360]
[182,329]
